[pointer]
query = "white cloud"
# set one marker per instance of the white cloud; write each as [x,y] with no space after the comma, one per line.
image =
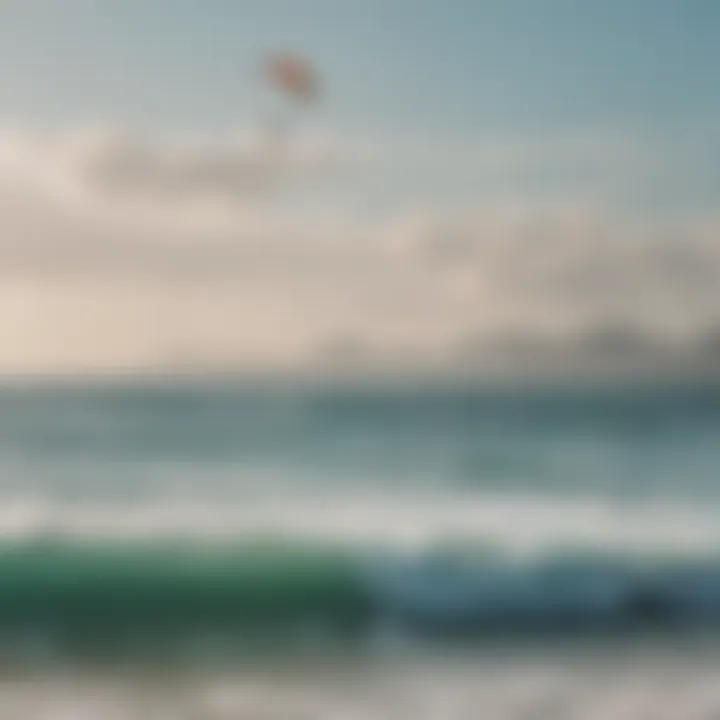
[619,166]
[119,251]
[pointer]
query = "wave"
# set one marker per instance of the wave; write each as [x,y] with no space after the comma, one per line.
[411,517]
[106,598]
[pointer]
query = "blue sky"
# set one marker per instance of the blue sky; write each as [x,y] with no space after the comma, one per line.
[493,156]
[457,73]
[461,66]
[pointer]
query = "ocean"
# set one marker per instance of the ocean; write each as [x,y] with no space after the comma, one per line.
[177,549]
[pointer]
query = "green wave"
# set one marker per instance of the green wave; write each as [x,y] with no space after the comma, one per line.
[103,593]
[106,598]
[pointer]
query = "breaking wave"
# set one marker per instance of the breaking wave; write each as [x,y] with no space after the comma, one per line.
[108,597]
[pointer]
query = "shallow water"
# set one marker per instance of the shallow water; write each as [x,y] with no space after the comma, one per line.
[339,552]
[649,680]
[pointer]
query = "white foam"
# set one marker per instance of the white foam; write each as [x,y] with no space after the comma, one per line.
[516,523]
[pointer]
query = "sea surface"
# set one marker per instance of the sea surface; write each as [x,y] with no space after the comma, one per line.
[177,549]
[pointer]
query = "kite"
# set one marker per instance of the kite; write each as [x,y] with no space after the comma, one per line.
[293,75]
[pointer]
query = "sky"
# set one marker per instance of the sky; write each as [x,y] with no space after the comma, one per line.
[477,173]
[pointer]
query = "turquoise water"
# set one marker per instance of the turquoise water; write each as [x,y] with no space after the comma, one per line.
[623,442]
[138,518]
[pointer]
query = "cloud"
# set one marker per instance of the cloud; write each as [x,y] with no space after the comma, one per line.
[622,166]
[583,261]
[119,176]
[121,251]
[228,169]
